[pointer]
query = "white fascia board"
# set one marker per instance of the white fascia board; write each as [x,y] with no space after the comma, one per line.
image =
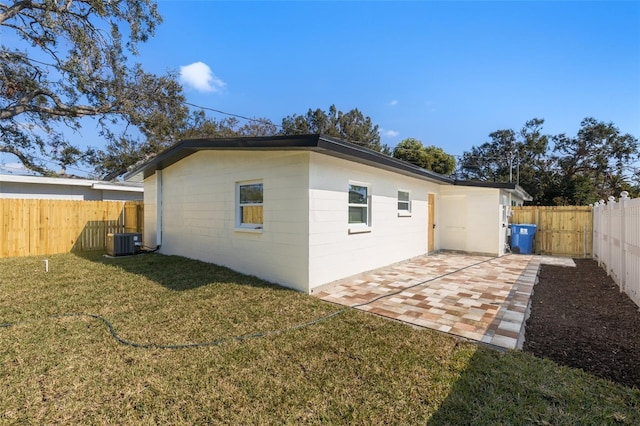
[524,195]
[94,184]
[107,187]
[46,180]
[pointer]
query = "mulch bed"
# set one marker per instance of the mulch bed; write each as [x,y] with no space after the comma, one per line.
[580,319]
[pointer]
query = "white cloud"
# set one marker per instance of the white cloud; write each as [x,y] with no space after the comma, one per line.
[390,133]
[199,76]
[393,102]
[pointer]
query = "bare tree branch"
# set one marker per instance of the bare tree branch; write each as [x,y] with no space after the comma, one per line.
[9,12]
[25,160]
[81,71]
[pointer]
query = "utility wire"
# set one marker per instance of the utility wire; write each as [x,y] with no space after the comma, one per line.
[4,166]
[243,337]
[257,120]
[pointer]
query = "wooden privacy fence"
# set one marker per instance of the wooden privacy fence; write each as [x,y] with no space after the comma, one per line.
[561,230]
[616,242]
[39,227]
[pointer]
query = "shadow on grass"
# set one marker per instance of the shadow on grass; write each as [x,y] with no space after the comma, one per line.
[177,273]
[518,388]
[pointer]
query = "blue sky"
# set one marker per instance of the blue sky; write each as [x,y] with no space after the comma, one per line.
[447,73]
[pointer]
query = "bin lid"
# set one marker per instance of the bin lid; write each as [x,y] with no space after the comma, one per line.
[523,228]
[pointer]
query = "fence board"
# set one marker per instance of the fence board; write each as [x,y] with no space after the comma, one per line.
[561,230]
[617,243]
[134,217]
[37,227]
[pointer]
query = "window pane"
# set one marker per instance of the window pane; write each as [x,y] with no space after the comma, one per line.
[403,196]
[251,214]
[251,193]
[403,205]
[357,215]
[357,194]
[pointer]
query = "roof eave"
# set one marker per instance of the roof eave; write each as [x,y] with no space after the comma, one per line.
[523,194]
[342,149]
[87,183]
[312,142]
[506,186]
[117,187]
[186,147]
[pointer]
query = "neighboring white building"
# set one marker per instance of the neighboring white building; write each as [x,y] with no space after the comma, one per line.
[304,211]
[36,187]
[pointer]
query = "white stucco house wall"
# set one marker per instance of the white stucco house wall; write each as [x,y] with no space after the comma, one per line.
[473,212]
[53,188]
[304,211]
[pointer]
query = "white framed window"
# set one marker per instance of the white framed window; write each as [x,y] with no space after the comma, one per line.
[404,203]
[359,207]
[249,204]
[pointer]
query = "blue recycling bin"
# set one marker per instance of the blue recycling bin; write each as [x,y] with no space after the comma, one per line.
[522,238]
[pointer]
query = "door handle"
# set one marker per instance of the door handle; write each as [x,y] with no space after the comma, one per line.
[434,226]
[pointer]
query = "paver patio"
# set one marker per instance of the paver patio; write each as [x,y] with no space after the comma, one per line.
[476,297]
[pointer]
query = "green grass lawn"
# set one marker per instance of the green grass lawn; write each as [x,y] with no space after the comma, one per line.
[351,368]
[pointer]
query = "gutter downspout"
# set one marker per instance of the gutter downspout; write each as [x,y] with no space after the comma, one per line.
[158,208]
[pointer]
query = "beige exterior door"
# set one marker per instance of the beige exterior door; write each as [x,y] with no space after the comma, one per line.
[431,226]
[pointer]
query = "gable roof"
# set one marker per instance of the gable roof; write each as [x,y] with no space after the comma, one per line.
[315,143]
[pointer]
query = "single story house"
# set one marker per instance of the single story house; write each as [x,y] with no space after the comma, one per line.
[304,211]
[55,188]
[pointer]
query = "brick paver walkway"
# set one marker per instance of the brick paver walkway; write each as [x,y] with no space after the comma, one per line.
[476,297]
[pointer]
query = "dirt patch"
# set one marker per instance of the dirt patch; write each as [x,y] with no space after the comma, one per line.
[580,319]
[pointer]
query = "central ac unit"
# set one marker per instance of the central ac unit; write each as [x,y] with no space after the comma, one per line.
[124,244]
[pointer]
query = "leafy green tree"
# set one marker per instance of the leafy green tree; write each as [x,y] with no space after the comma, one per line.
[122,154]
[575,171]
[410,150]
[513,156]
[593,164]
[201,126]
[439,161]
[116,158]
[430,157]
[66,155]
[534,169]
[352,126]
[492,161]
[71,63]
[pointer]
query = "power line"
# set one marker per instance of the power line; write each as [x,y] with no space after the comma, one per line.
[257,120]
[3,165]
[60,67]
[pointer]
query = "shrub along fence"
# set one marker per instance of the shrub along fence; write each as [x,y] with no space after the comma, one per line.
[616,242]
[561,230]
[38,227]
